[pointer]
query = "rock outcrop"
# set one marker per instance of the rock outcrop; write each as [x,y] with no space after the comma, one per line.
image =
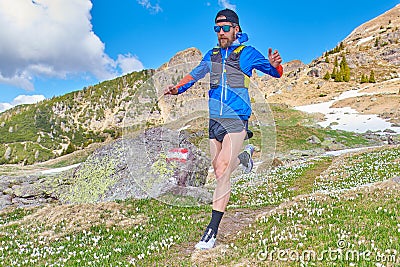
[131,167]
[139,167]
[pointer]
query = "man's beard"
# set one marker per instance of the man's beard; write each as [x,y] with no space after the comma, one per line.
[226,42]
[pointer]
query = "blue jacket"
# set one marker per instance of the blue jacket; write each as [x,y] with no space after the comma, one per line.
[226,102]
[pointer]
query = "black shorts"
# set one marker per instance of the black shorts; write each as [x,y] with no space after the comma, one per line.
[218,128]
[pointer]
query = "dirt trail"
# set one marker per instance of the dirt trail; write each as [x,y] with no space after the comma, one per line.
[233,222]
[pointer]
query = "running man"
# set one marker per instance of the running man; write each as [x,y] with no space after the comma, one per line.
[230,65]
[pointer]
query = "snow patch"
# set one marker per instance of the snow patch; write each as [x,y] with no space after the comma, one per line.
[361,41]
[346,118]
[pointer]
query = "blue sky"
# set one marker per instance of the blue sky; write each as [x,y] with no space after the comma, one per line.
[51,47]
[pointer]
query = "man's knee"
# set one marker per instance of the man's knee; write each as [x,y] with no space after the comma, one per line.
[220,167]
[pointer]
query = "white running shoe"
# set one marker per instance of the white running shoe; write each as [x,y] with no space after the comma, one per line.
[247,161]
[208,240]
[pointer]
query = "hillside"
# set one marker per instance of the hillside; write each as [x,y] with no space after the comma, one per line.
[373,46]
[53,127]
[61,125]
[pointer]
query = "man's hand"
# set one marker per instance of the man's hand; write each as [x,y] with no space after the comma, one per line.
[171,90]
[274,58]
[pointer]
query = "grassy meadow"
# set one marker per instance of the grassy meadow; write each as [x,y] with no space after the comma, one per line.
[316,213]
[319,211]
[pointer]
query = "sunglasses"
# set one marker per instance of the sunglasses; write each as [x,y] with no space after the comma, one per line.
[225,28]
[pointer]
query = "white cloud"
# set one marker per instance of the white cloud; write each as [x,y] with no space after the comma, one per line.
[152,8]
[27,99]
[226,4]
[50,38]
[128,63]
[21,81]
[21,99]
[5,106]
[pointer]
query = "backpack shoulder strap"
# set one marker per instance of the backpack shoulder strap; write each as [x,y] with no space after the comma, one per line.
[239,49]
[215,50]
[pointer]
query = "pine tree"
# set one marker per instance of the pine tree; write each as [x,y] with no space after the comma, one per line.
[339,74]
[344,69]
[336,62]
[371,77]
[326,58]
[364,78]
[334,73]
[327,76]
[339,77]
[71,148]
[346,75]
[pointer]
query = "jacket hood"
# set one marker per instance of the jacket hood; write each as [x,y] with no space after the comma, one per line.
[241,37]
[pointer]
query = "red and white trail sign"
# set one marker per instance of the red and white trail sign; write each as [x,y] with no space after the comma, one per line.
[177,154]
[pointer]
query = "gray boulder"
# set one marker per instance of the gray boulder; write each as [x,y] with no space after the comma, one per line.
[141,166]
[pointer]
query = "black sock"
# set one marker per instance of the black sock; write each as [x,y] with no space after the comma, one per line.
[215,220]
[244,158]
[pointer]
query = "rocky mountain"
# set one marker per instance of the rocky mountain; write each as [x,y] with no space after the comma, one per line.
[57,126]
[53,127]
[373,46]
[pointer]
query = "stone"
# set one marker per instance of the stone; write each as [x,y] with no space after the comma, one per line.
[5,200]
[314,73]
[138,167]
[332,145]
[3,185]
[277,162]
[313,140]
[25,202]
[26,190]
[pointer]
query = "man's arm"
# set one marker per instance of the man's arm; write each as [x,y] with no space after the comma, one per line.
[253,59]
[196,74]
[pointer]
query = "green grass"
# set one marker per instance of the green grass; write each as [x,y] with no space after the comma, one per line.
[305,183]
[295,137]
[68,162]
[267,188]
[285,116]
[363,168]
[361,221]
[150,233]
[13,215]
[144,243]
[277,185]
[294,127]
[357,220]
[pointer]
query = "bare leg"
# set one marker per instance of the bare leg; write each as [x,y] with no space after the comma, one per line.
[224,160]
[224,163]
[215,149]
